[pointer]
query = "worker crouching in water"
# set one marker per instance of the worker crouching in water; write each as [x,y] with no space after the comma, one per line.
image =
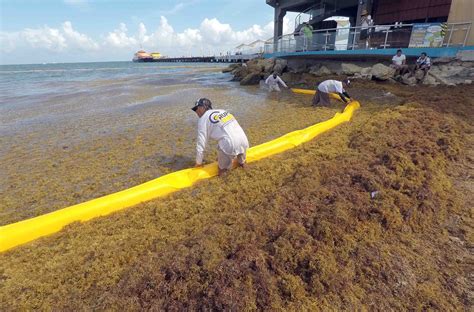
[273,81]
[331,86]
[221,126]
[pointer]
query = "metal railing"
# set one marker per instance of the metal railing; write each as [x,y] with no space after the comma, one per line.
[458,29]
[237,57]
[368,37]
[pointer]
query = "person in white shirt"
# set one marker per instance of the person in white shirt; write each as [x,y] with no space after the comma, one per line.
[399,63]
[273,81]
[219,125]
[331,86]
[365,22]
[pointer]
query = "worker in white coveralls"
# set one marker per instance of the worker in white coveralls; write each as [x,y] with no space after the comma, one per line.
[221,126]
[331,86]
[273,81]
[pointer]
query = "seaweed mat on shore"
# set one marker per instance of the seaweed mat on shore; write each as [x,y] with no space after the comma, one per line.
[306,235]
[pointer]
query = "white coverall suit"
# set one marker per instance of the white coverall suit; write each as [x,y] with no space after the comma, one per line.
[273,83]
[221,126]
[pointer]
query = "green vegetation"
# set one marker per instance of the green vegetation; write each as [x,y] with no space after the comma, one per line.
[298,231]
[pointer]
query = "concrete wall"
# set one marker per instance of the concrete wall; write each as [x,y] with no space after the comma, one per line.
[462,11]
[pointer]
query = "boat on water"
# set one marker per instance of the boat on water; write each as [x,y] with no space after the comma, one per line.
[143,56]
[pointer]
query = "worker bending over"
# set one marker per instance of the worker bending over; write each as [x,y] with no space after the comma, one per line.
[221,126]
[273,81]
[331,86]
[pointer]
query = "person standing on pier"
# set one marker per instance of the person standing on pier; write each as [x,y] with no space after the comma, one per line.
[366,23]
[273,82]
[331,86]
[220,125]
[307,33]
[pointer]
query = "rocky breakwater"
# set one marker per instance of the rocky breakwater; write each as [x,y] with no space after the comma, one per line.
[253,71]
[305,72]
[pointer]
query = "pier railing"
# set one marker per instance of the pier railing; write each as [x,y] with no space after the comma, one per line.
[372,37]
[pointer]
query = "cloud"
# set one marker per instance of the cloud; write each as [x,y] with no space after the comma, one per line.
[190,37]
[211,36]
[77,40]
[120,39]
[178,7]
[215,32]
[142,36]
[8,41]
[47,38]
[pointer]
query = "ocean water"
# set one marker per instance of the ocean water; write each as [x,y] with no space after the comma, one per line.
[72,132]
[39,93]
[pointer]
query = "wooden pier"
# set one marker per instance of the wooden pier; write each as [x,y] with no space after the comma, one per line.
[208,59]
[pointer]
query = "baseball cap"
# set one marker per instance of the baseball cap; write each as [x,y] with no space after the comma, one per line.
[206,103]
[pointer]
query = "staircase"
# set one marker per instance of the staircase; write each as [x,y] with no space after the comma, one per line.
[314,14]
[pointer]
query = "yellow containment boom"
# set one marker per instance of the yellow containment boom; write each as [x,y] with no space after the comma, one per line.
[306,91]
[313,92]
[21,232]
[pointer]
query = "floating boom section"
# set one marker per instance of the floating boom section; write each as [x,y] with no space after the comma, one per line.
[21,232]
[313,92]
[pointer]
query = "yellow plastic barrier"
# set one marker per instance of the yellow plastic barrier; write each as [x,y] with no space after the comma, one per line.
[303,91]
[19,233]
[313,92]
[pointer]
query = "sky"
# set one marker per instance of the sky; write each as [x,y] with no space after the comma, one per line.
[47,31]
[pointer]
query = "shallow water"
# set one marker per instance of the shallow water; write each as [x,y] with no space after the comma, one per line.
[73,132]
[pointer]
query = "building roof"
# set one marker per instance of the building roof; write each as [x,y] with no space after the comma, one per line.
[302,5]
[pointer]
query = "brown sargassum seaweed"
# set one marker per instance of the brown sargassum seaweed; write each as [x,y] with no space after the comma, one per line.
[299,231]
